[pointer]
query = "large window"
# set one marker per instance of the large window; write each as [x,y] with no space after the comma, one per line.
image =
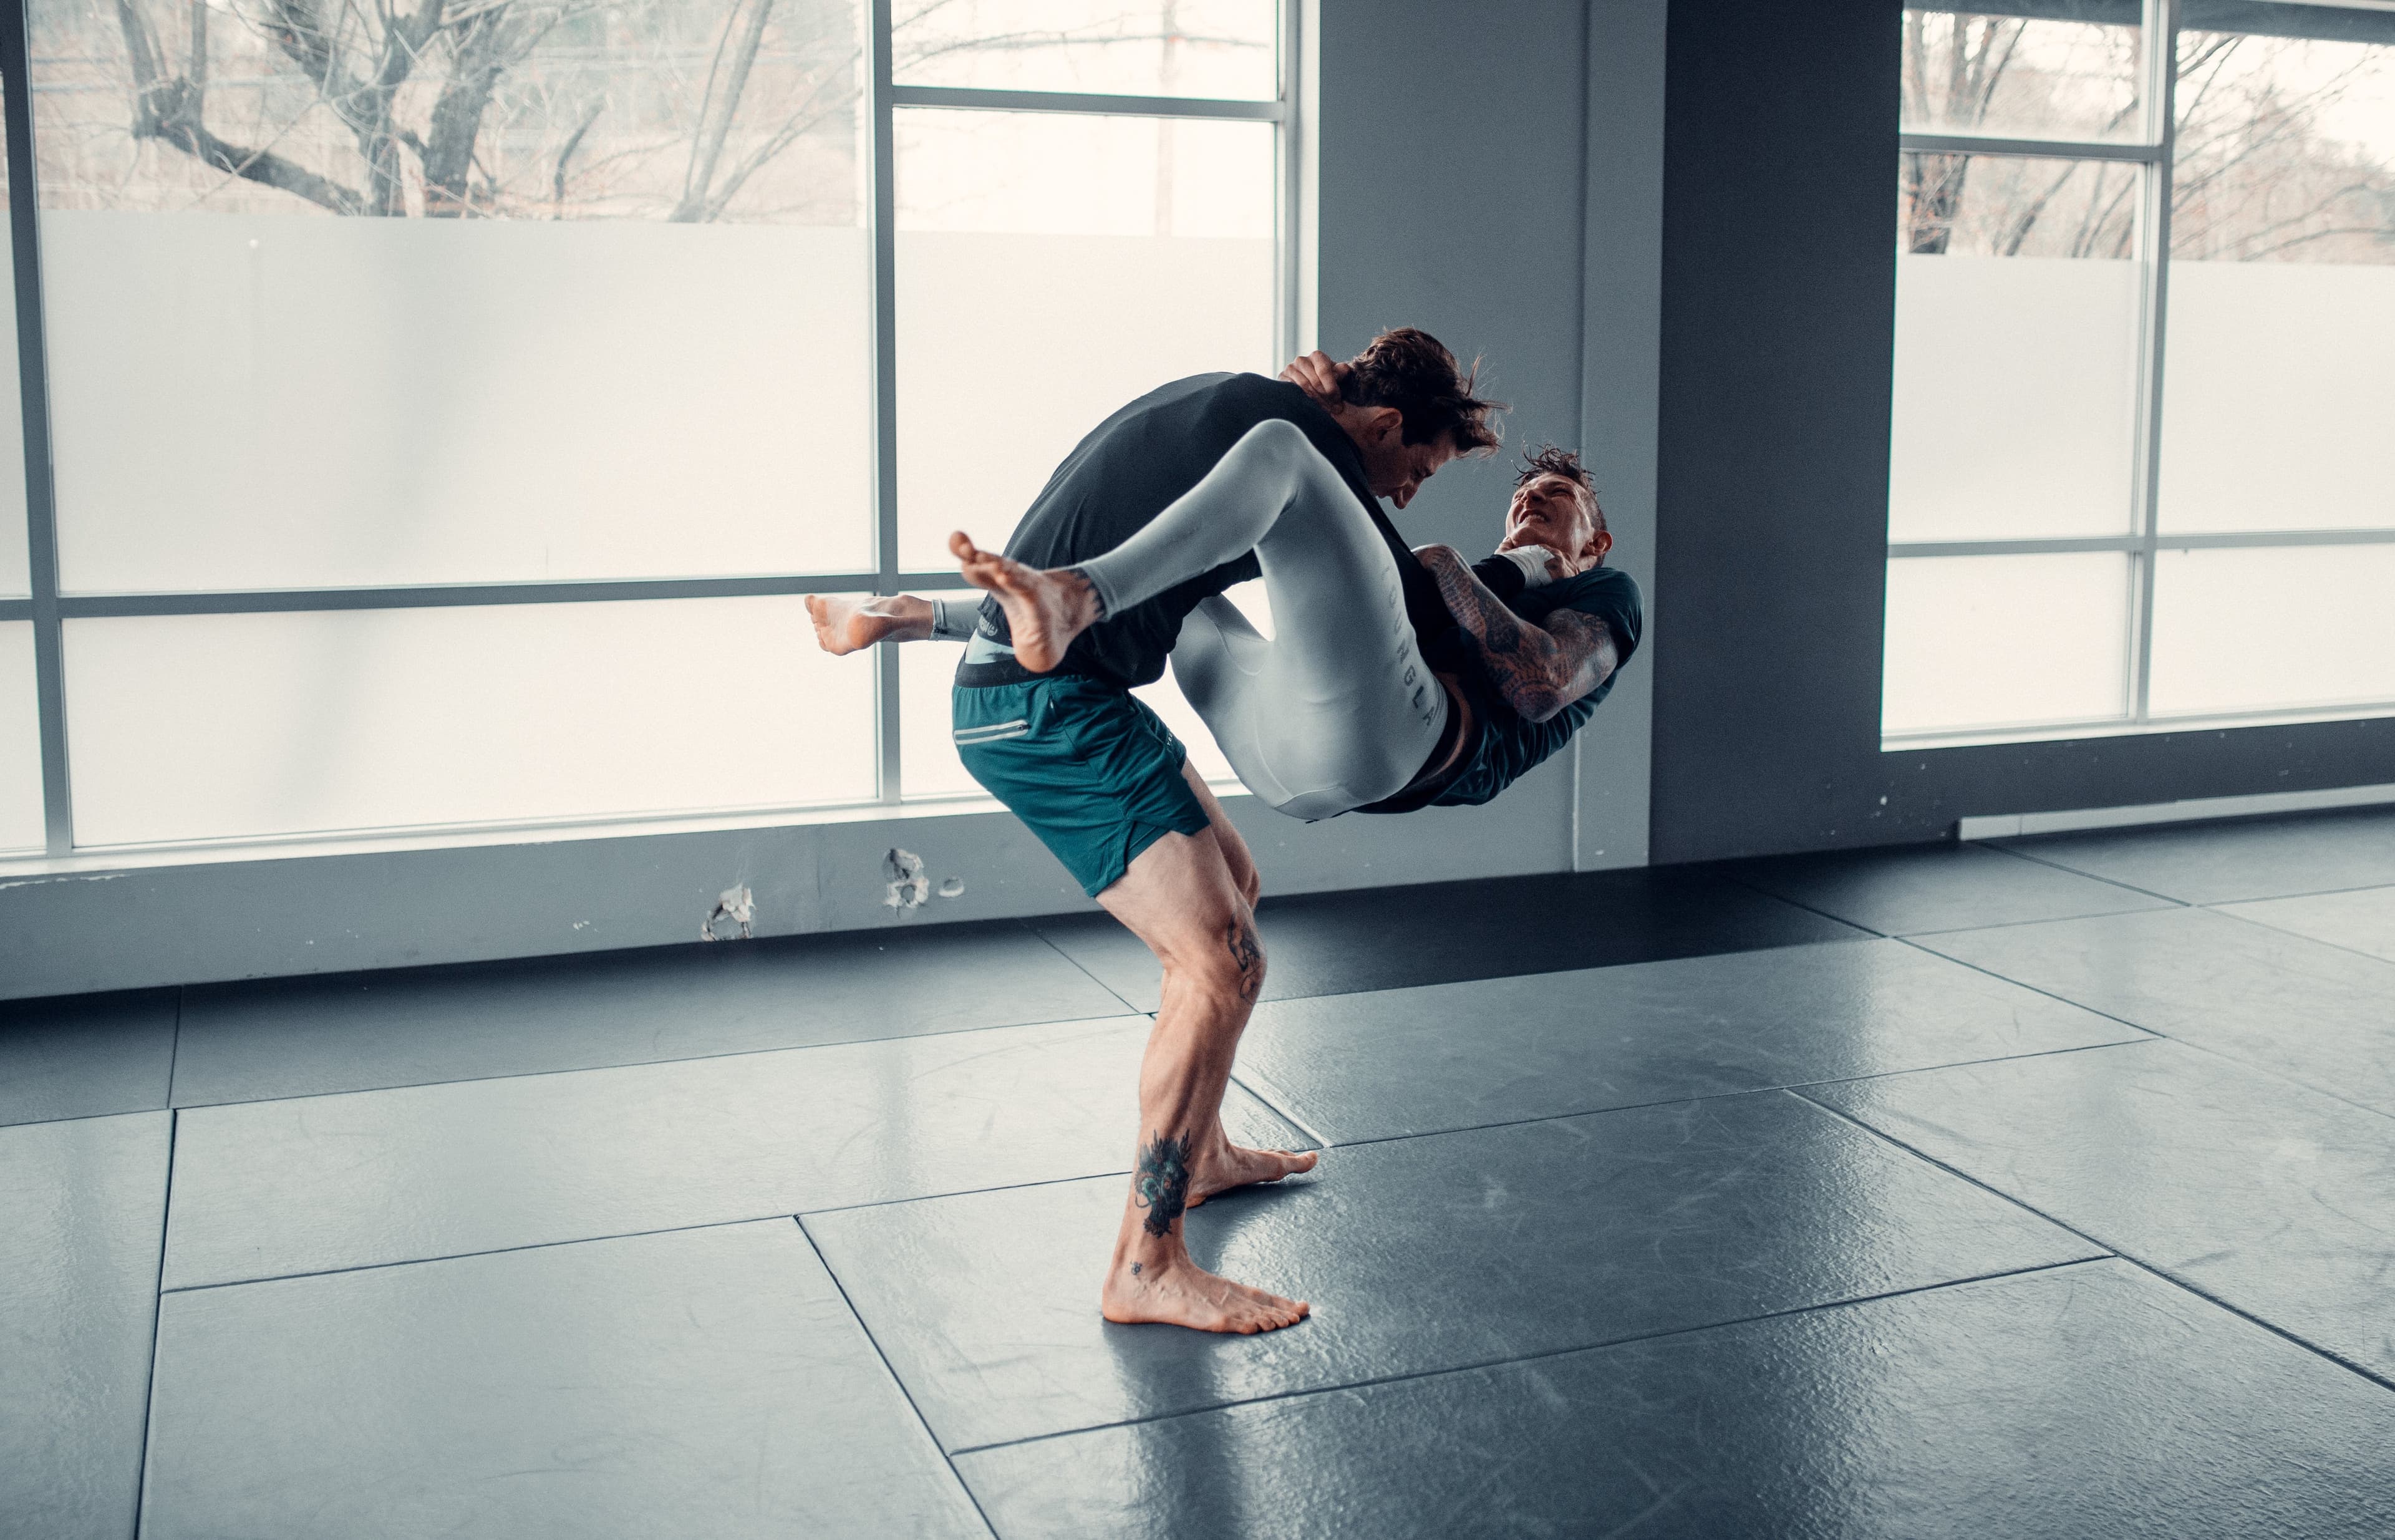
[2145,369]
[442,407]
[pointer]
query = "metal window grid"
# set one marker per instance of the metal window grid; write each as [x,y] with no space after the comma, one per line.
[47,609]
[2154,151]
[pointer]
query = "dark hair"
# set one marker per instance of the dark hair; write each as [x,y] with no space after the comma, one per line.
[1550,460]
[1412,371]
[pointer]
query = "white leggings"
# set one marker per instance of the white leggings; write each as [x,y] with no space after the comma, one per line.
[1335,709]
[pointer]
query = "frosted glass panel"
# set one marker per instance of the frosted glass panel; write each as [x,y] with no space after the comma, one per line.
[584,296]
[2016,318]
[1994,641]
[15,583]
[1049,270]
[927,754]
[2280,373]
[2016,398]
[2279,401]
[246,401]
[20,741]
[203,726]
[2071,74]
[1164,697]
[2295,627]
[1145,47]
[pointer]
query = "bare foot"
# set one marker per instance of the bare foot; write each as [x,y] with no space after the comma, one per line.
[1227,1166]
[1177,1292]
[1044,609]
[845,625]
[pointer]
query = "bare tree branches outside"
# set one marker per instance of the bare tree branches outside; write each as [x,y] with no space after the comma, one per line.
[2286,146]
[523,108]
[688,111]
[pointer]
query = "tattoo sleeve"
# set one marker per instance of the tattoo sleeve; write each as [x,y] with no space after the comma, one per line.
[1161,1185]
[1539,670]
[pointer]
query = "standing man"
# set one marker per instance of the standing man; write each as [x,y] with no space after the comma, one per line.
[1107,787]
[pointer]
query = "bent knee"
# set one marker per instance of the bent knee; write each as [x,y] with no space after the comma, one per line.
[1228,965]
[1277,440]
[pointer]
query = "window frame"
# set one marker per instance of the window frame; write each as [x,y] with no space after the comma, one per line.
[2154,150]
[48,609]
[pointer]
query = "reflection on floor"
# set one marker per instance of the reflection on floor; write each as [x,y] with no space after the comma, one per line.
[2031,1188]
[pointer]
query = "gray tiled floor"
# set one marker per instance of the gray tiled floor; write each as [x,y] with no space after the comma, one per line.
[2271,1198]
[1940,887]
[1610,1227]
[2090,1400]
[705,1383]
[1654,1203]
[268,1188]
[2220,863]
[1456,1055]
[82,1207]
[86,1057]
[1342,943]
[306,1037]
[2319,1012]
[2361,920]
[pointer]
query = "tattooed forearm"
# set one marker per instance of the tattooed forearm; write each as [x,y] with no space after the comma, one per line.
[1539,670]
[1247,955]
[1161,1186]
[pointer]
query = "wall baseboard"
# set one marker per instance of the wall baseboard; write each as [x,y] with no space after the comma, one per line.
[1997,826]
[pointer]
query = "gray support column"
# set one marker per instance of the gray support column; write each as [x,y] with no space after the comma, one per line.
[882,224]
[33,373]
[1620,362]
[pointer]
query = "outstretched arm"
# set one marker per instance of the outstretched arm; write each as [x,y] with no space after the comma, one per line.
[1539,670]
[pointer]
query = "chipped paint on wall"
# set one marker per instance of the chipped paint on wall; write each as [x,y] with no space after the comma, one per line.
[736,906]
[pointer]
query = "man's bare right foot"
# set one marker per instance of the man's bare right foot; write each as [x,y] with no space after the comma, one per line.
[1044,609]
[846,625]
[1176,1292]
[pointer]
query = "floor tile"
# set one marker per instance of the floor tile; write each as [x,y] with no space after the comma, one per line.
[1388,938]
[705,1383]
[2219,863]
[2275,1199]
[414,1026]
[2362,920]
[1457,1056]
[268,1188]
[82,1204]
[2086,1400]
[1936,887]
[1417,1254]
[86,1055]
[2318,1012]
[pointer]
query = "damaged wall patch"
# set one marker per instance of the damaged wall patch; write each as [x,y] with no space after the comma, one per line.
[735,906]
[907,886]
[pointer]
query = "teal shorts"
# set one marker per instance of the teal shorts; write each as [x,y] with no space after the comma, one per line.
[1091,770]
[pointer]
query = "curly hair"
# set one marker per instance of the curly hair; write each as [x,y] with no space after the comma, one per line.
[1551,461]
[1412,371]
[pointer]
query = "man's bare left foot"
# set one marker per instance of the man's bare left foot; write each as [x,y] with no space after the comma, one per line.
[844,624]
[1228,1165]
[1044,609]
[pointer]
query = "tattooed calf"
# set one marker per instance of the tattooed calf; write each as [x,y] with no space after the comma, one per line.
[1248,955]
[1162,1185]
